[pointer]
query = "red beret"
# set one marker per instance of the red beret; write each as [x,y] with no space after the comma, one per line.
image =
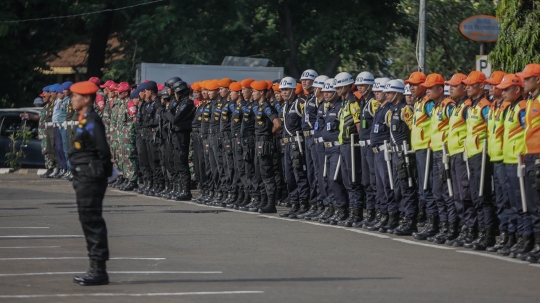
[84,88]
[95,80]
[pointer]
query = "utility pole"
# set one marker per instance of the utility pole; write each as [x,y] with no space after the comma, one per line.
[422,37]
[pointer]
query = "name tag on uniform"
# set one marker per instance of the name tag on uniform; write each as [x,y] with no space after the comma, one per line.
[440,116]
[393,128]
[328,127]
[376,128]
[307,117]
[316,125]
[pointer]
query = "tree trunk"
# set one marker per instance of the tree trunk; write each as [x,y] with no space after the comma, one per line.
[332,67]
[98,45]
[286,22]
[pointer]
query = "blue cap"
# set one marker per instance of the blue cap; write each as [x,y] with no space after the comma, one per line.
[67,85]
[38,100]
[150,85]
[53,88]
[46,88]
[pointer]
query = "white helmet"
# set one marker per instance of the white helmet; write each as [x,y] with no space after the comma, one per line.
[319,81]
[407,90]
[447,90]
[379,84]
[343,79]
[287,82]
[329,85]
[402,82]
[309,74]
[365,78]
[394,86]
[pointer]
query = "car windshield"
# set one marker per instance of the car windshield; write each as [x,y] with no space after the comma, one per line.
[13,123]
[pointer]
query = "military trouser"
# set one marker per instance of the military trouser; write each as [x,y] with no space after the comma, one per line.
[154,160]
[207,150]
[311,168]
[278,165]
[49,149]
[239,180]
[46,156]
[368,176]
[321,179]
[501,196]
[405,195]
[180,144]
[144,160]
[357,195]
[249,161]
[264,166]
[130,162]
[165,157]
[295,174]
[445,204]
[198,158]
[518,221]
[336,194]
[216,163]
[425,197]
[385,194]
[485,208]
[228,162]
[462,195]
[533,191]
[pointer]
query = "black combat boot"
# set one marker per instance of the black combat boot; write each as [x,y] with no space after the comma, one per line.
[252,203]
[209,198]
[481,235]
[460,238]
[528,244]
[247,199]
[519,244]
[393,223]
[238,199]
[320,209]
[326,214]
[96,275]
[382,222]
[453,232]
[512,240]
[295,207]
[430,230]
[356,216]
[313,207]
[422,217]
[262,204]
[270,207]
[341,215]
[185,195]
[407,228]
[148,189]
[46,173]
[501,242]
[371,216]
[304,207]
[440,237]
[487,241]
[534,254]
[168,192]
[130,186]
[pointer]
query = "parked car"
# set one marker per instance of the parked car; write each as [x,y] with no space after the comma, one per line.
[10,122]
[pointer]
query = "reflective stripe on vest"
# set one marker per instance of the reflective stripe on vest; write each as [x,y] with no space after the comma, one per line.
[496,131]
[440,124]
[532,123]
[476,128]
[514,134]
[458,129]
[421,129]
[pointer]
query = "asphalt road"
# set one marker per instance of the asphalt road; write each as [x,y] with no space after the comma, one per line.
[165,251]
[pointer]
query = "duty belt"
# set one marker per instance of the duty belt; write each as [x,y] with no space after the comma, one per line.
[290,140]
[73,123]
[308,133]
[49,124]
[377,149]
[329,144]
[263,138]
[364,143]
[318,140]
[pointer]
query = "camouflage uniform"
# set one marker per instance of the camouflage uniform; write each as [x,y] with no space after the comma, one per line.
[114,132]
[49,157]
[130,160]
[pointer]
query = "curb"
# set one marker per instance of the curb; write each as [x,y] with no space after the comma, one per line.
[23,171]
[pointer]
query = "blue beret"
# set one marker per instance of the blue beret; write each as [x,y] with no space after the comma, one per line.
[66,85]
[150,85]
[53,88]
[134,94]
[59,89]
[38,100]
[46,88]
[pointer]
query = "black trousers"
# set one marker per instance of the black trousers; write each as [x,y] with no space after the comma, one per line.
[198,160]
[216,163]
[248,146]
[155,163]
[180,143]
[144,162]
[207,150]
[239,180]
[90,192]
[228,163]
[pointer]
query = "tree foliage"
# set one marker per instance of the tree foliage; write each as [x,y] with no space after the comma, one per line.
[519,39]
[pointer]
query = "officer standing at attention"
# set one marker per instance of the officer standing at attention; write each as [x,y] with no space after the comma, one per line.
[90,157]
[151,123]
[266,124]
[308,121]
[365,82]
[198,157]
[225,133]
[294,156]
[349,128]
[248,145]
[215,140]
[205,126]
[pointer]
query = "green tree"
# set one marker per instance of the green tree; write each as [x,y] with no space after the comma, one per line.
[519,39]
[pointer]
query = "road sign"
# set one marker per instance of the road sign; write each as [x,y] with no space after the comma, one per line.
[480,28]
[483,65]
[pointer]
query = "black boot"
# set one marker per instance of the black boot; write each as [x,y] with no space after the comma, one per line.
[325,216]
[356,216]
[534,254]
[209,197]
[46,173]
[96,275]
[148,189]
[130,186]
[528,244]
[217,199]
[453,232]
[270,207]
[430,230]
[262,204]
[118,182]
[487,241]
[422,217]
[184,196]
[517,246]
[440,237]
[512,240]
[295,207]
[247,199]
[320,209]
[304,207]
[481,235]
[238,199]
[254,201]
[341,214]
[369,220]
[313,207]
[501,242]
[393,223]
[407,228]
[382,222]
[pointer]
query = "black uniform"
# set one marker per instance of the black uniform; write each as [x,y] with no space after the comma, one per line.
[181,134]
[152,124]
[207,149]
[312,157]
[248,141]
[198,150]
[216,156]
[142,150]
[227,151]
[264,150]
[239,182]
[90,158]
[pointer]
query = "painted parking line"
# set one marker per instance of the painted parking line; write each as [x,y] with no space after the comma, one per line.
[76,258]
[507,259]
[22,247]
[155,294]
[112,272]
[42,236]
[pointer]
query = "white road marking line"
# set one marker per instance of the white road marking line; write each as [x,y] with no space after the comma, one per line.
[535,265]
[155,294]
[32,247]
[24,227]
[75,258]
[279,218]
[368,233]
[423,244]
[44,236]
[112,272]
[507,259]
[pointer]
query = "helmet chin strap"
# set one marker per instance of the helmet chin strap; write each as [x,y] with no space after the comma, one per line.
[394,98]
